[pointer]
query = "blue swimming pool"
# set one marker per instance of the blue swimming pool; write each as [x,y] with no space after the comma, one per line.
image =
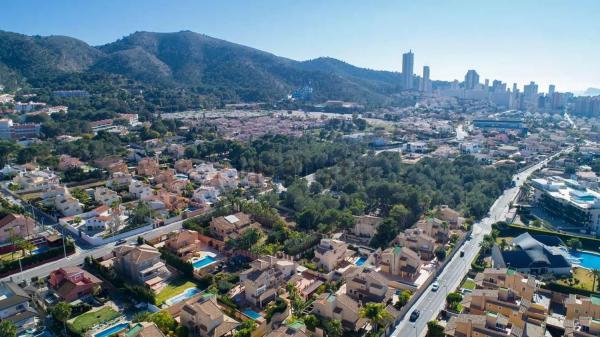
[361,260]
[252,314]
[112,330]
[188,293]
[587,259]
[203,262]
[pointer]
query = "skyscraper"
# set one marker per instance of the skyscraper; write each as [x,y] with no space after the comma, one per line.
[408,60]
[551,89]
[425,81]
[471,79]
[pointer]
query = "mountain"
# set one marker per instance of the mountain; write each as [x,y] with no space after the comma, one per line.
[191,60]
[591,92]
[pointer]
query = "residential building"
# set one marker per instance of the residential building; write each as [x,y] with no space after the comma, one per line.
[204,318]
[106,196]
[119,180]
[148,167]
[73,283]
[66,162]
[67,205]
[265,276]
[140,190]
[569,200]
[16,225]
[183,166]
[401,261]
[329,253]
[488,325]
[15,306]
[288,331]
[183,242]
[417,240]
[252,180]
[141,264]
[367,285]
[143,329]
[340,307]
[36,180]
[205,196]
[366,225]
[435,228]
[495,278]
[408,60]
[449,215]
[425,85]
[471,80]
[230,226]
[580,306]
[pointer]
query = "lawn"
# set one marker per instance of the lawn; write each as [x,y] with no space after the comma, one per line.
[84,322]
[582,279]
[175,287]
[468,284]
[507,239]
[8,257]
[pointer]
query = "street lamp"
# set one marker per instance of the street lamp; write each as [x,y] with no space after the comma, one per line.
[415,327]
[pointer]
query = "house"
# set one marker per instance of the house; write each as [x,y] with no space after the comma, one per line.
[148,167]
[434,227]
[339,307]
[183,166]
[494,278]
[118,166]
[253,180]
[183,242]
[15,306]
[580,306]
[204,318]
[68,205]
[329,253]
[417,240]
[139,189]
[367,285]
[16,225]
[531,256]
[36,180]
[366,225]
[583,327]
[288,331]
[106,196]
[72,283]
[401,261]
[449,215]
[165,177]
[143,329]
[205,196]
[265,276]
[66,162]
[230,226]
[119,180]
[141,264]
[488,325]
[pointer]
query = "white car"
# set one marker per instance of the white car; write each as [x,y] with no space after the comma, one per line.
[435,286]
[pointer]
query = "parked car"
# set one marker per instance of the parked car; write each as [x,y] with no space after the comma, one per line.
[415,315]
[435,286]
[462,253]
[120,242]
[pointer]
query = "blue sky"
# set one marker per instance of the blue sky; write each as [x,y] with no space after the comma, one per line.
[519,41]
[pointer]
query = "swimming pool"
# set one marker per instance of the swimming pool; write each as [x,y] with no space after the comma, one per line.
[252,314]
[586,259]
[203,262]
[188,293]
[112,330]
[361,260]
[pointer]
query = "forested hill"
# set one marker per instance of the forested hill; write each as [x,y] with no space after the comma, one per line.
[189,60]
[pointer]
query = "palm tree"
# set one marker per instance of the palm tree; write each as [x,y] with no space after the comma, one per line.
[334,328]
[8,329]
[376,314]
[595,273]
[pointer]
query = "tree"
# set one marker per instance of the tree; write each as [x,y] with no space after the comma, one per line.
[140,240]
[8,329]
[311,321]
[25,245]
[434,329]
[400,214]
[403,298]
[376,313]
[164,321]
[62,312]
[574,243]
[245,329]
[440,253]
[453,299]
[333,328]
[594,273]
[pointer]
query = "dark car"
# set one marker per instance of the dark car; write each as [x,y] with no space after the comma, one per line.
[120,242]
[415,315]
[462,253]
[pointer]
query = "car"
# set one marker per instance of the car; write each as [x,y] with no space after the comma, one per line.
[435,286]
[462,253]
[120,242]
[415,315]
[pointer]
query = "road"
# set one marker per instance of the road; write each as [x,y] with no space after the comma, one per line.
[431,303]
[80,254]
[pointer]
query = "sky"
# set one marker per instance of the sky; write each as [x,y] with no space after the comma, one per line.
[549,42]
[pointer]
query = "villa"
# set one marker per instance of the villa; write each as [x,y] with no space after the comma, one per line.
[184,242]
[401,261]
[265,276]
[495,278]
[68,205]
[366,225]
[367,285]
[73,283]
[339,307]
[15,306]
[148,167]
[435,228]
[106,196]
[66,162]
[329,253]
[141,264]
[36,180]
[183,166]
[417,240]
[204,318]
[580,306]
[231,226]
[288,331]
[16,225]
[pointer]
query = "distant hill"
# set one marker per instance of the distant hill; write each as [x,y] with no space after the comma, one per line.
[591,92]
[191,60]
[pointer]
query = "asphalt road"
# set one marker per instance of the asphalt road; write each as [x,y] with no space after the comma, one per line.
[431,303]
[80,254]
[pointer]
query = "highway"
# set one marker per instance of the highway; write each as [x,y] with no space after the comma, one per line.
[431,303]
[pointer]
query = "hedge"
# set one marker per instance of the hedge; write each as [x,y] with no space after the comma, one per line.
[174,261]
[30,260]
[561,288]
[591,244]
